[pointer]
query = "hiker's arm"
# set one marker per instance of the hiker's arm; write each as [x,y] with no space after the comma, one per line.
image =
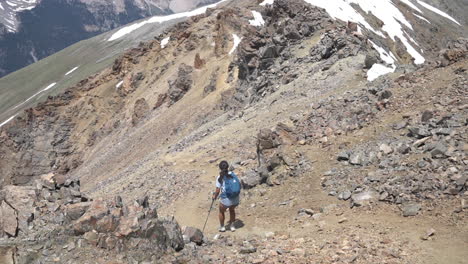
[216,193]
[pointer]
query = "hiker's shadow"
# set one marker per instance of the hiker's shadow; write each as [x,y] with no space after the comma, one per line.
[238,223]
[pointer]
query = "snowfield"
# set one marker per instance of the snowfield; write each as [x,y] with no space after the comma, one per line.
[160,19]
[395,24]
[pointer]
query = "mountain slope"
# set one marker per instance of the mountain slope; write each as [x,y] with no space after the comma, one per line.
[33,30]
[282,91]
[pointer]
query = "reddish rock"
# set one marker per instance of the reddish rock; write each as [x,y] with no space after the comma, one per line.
[198,62]
[88,221]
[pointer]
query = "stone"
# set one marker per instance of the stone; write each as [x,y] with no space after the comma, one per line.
[439,151]
[410,209]
[180,84]
[22,199]
[251,179]
[140,111]
[356,159]
[404,149]
[426,116]
[87,222]
[75,211]
[7,255]
[370,60]
[429,233]
[91,237]
[194,234]
[174,233]
[419,132]
[267,139]
[8,220]
[364,198]
[342,220]
[386,94]
[48,181]
[343,156]
[306,211]
[464,204]
[345,195]
[248,250]
[386,149]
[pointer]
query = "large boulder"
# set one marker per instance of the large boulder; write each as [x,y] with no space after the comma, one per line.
[194,235]
[22,199]
[75,211]
[173,232]
[8,220]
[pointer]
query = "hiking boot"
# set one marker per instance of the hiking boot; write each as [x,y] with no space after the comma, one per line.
[222,229]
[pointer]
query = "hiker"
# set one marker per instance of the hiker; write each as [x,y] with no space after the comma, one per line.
[229,186]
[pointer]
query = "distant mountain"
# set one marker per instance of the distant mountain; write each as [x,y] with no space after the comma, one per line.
[34,29]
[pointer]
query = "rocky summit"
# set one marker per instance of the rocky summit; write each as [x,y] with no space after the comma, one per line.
[345,121]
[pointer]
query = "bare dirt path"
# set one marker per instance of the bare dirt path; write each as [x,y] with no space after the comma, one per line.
[275,209]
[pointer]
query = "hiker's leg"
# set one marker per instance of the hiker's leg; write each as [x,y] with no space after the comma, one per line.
[232,214]
[222,209]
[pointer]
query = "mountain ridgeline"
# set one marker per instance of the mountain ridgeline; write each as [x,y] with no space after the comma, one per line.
[53,25]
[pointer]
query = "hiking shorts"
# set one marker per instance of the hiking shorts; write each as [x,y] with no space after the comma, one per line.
[230,202]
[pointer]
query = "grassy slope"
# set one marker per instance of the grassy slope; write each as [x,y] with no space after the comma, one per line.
[91,55]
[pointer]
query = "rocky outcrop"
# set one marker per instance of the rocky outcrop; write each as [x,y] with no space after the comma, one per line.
[276,158]
[56,210]
[140,111]
[181,83]
[455,51]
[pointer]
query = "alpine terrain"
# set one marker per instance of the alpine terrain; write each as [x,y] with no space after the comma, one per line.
[31,30]
[346,122]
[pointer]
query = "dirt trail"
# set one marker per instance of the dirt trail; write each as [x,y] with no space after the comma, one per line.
[269,215]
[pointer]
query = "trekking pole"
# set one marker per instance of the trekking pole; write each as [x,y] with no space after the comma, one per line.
[209,211]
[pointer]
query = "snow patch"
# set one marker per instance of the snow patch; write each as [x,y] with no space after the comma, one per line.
[421,17]
[11,4]
[8,120]
[237,40]
[383,54]
[385,10]
[164,42]
[267,2]
[36,94]
[48,87]
[437,11]
[258,19]
[72,70]
[408,3]
[378,70]
[160,19]
[119,84]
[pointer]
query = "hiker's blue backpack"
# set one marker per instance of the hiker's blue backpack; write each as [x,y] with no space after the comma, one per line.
[232,186]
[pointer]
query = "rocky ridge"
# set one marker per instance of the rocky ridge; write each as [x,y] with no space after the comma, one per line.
[400,139]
